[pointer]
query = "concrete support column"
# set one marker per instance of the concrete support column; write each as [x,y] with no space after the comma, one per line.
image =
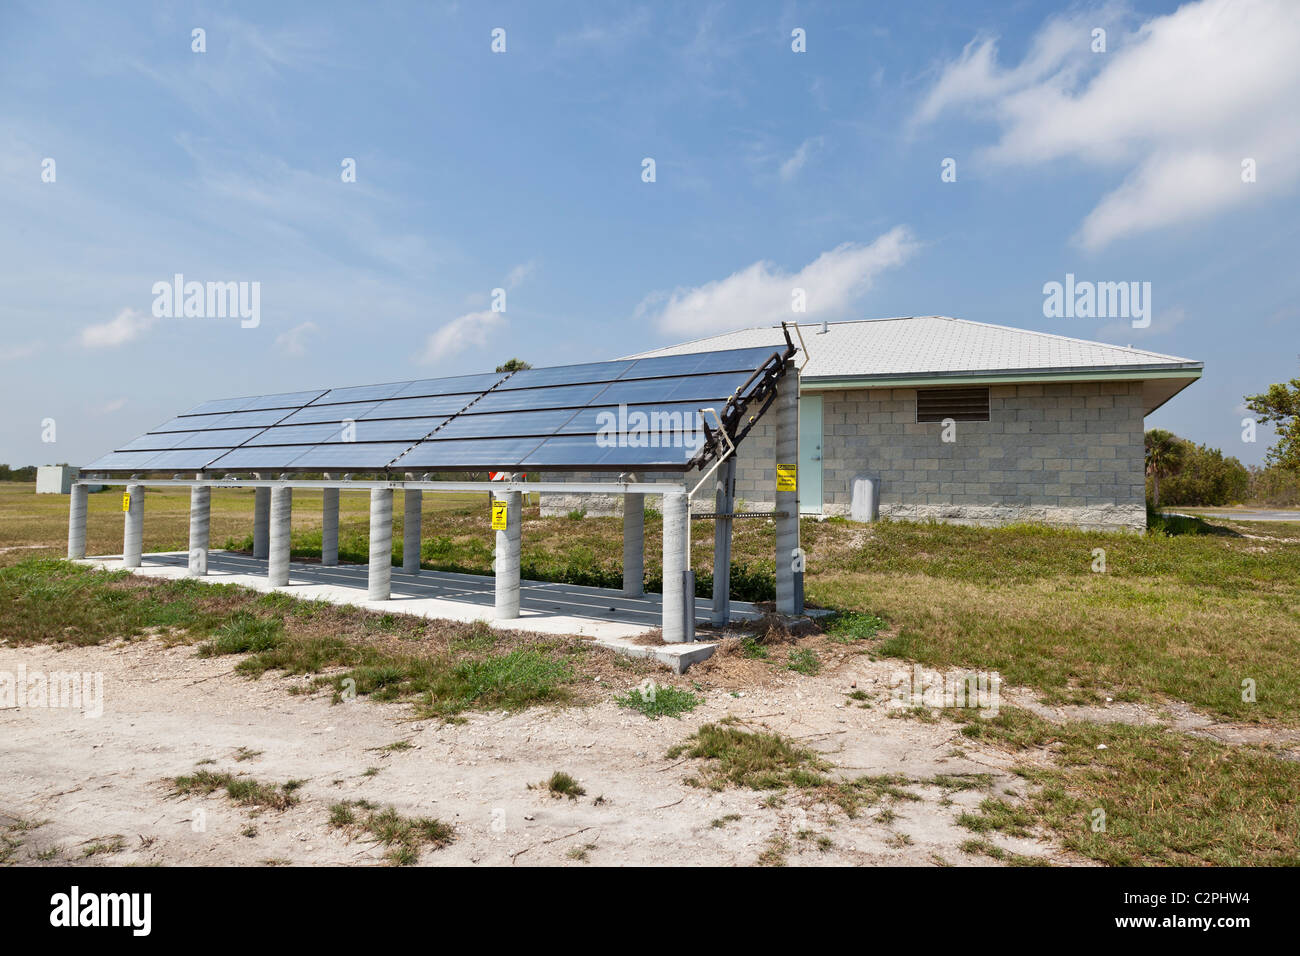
[786,410]
[261,522]
[329,534]
[280,532]
[634,545]
[506,566]
[676,526]
[412,515]
[77,522]
[200,529]
[380,582]
[724,502]
[133,535]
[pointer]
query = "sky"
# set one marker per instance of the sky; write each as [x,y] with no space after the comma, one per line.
[424,189]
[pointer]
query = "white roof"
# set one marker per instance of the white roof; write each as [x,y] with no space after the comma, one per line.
[938,346]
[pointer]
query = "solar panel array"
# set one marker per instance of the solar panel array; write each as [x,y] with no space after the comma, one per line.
[554,418]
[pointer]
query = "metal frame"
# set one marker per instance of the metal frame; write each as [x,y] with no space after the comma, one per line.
[561,487]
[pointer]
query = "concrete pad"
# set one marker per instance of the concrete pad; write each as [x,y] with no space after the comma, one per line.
[608,617]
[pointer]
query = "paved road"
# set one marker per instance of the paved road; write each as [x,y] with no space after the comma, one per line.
[1244,515]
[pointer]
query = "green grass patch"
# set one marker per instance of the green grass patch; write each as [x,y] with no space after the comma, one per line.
[848,627]
[242,790]
[49,600]
[804,661]
[755,760]
[405,837]
[659,701]
[243,633]
[561,784]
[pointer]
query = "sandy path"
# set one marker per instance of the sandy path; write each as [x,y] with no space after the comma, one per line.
[165,710]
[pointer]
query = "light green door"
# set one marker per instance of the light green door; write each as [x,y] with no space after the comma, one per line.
[810,454]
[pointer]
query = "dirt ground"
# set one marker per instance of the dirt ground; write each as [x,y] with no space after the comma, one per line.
[72,785]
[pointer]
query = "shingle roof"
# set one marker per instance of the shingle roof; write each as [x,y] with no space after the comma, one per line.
[938,346]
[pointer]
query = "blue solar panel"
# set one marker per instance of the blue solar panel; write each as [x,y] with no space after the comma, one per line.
[466,453]
[420,407]
[585,451]
[357,456]
[604,415]
[330,413]
[361,393]
[566,375]
[561,396]
[469,385]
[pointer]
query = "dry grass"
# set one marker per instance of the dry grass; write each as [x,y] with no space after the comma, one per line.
[1133,796]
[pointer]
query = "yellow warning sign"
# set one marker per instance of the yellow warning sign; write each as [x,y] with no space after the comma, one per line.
[787,477]
[499,516]
[126,501]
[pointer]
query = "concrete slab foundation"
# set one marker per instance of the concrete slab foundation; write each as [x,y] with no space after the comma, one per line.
[607,617]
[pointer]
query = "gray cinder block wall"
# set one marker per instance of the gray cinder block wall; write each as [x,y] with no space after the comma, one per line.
[1067,453]
[553,505]
[1056,453]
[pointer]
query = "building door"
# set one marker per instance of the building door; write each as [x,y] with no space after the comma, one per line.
[810,454]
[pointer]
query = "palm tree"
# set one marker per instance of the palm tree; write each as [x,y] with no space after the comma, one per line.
[1166,454]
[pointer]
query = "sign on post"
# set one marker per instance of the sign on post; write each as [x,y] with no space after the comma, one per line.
[787,477]
[126,501]
[499,515]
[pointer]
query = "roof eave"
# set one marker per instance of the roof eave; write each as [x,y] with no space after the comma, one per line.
[1187,370]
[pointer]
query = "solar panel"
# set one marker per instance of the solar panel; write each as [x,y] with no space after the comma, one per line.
[634,413]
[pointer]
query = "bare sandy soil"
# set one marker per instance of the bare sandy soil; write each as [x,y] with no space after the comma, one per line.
[95,784]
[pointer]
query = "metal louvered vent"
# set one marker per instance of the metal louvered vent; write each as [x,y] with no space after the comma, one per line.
[959,404]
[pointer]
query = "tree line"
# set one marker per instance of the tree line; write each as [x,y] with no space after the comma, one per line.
[1180,472]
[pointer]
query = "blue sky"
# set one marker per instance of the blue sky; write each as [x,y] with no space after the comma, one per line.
[522,171]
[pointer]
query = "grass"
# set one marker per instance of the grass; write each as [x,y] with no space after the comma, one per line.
[849,627]
[560,784]
[1185,617]
[1168,798]
[1176,615]
[755,760]
[103,846]
[244,633]
[443,667]
[765,761]
[1186,613]
[581,853]
[659,700]
[242,790]
[405,837]
[45,599]
[775,851]
[804,661]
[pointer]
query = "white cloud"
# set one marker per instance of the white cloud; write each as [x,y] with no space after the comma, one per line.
[122,328]
[1178,104]
[464,332]
[761,294]
[790,168]
[1162,322]
[109,407]
[294,341]
[610,37]
[12,353]
[520,272]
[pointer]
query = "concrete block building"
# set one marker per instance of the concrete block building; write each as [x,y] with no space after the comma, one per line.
[961,421]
